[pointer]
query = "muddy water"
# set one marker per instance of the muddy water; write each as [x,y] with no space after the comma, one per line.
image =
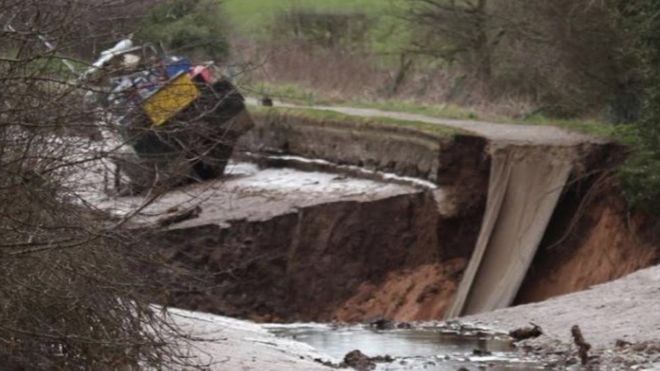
[412,349]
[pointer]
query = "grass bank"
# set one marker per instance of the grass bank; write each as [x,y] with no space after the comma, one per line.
[321,115]
[295,94]
[254,18]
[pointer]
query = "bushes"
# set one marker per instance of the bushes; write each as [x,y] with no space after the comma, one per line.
[329,29]
[641,178]
[641,174]
[565,55]
[187,26]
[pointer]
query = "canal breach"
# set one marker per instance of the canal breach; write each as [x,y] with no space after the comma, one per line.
[319,244]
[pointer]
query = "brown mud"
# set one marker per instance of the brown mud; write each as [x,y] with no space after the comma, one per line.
[304,266]
[410,294]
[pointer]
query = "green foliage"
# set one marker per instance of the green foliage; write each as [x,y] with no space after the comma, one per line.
[288,93]
[641,174]
[324,115]
[327,28]
[186,26]
[565,55]
[386,32]
[297,94]
[251,15]
[640,178]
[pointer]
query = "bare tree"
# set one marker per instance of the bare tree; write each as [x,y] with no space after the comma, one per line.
[567,56]
[69,298]
[457,29]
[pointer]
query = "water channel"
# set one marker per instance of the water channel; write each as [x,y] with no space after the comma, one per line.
[420,348]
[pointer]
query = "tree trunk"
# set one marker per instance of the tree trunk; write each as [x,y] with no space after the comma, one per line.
[482,53]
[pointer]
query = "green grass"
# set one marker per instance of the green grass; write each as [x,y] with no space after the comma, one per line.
[293,93]
[321,115]
[586,126]
[445,110]
[449,111]
[253,18]
[250,15]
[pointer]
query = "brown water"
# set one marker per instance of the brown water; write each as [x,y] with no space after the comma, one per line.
[424,348]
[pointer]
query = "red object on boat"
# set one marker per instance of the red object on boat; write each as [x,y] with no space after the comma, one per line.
[202,72]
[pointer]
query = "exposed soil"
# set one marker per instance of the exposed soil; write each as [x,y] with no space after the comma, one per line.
[525,185]
[458,164]
[303,266]
[593,238]
[411,294]
[385,251]
[320,260]
[605,244]
[397,258]
[347,260]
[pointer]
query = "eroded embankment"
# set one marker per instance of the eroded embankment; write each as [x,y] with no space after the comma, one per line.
[444,158]
[400,257]
[589,239]
[525,184]
[455,162]
[593,237]
[301,266]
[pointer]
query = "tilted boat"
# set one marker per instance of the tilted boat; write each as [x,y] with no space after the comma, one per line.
[179,119]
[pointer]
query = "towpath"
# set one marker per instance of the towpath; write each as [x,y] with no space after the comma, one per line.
[502,133]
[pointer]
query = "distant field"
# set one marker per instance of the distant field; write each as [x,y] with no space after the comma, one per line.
[252,17]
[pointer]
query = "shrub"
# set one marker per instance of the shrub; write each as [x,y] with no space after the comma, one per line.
[68,298]
[187,26]
[565,54]
[325,28]
[641,174]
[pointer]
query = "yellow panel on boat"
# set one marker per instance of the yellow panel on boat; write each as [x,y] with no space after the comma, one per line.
[171,99]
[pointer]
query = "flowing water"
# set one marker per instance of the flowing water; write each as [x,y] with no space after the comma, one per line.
[421,348]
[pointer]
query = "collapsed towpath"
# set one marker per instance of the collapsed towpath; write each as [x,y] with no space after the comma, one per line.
[530,167]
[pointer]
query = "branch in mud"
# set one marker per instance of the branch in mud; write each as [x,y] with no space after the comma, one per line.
[582,345]
[525,333]
[179,216]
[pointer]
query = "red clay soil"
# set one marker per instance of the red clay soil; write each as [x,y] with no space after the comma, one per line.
[422,293]
[604,243]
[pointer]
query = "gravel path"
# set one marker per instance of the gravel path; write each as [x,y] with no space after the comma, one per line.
[497,132]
